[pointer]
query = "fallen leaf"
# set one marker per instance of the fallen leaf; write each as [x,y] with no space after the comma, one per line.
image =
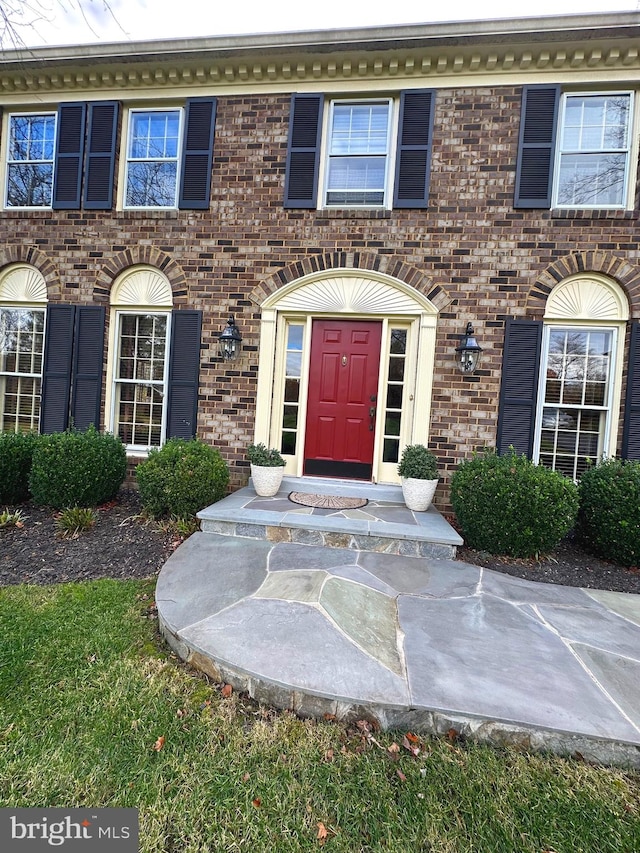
[328,756]
[330,717]
[322,833]
[453,735]
[401,775]
[413,738]
[414,750]
[257,802]
[246,777]
[227,690]
[393,750]
[180,713]
[159,743]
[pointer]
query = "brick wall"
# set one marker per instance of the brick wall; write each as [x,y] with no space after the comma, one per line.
[486,260]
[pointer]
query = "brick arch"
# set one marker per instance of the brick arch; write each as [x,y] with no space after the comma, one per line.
[149,256]
[35,258]
[626,274]
[388,264]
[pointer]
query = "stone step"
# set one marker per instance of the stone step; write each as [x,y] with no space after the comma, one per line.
[384,525]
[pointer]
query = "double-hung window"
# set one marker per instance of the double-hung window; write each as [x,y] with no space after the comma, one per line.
[140,378]
[576,397]
[594,148]
[21,349]
[30,160]
[153,152]
[357,164]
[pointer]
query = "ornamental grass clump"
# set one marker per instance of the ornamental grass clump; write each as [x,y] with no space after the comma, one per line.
[16,455]
[609,517]
[507,505]
[181,478]
[75,468]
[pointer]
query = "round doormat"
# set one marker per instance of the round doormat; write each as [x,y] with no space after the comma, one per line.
[326,501]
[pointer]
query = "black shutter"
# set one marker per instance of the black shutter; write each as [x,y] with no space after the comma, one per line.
[67,181]
[88,352]
[303,152]
[414,148]
[102,124]
[184,369]
[536,146]
[519,389]
[631,433]
[56,372]
[197,154]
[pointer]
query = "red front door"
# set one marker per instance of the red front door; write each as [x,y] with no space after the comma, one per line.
[342,404]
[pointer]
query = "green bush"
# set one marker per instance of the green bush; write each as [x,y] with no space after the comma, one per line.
[16,454]
[77,468]
[609,516]
[508,505]
[181,478]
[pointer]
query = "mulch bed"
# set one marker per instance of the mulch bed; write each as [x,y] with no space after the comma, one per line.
[122,544]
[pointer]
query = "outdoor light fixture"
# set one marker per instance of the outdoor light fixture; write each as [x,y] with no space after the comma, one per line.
[229,341]
[468,352]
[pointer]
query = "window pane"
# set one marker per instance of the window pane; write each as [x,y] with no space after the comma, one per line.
[29,185]
[396,369]
[394,397]
[292,390]
[288,444]
[390,450]
[151,184]
[398,341]
[359,129]
[592,179]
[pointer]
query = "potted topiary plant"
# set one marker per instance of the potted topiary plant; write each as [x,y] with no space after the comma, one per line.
[267,469]
[418,469]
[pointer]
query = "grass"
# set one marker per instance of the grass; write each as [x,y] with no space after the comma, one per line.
[88,692]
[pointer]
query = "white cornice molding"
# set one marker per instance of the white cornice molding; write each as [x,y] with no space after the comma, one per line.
[601,47]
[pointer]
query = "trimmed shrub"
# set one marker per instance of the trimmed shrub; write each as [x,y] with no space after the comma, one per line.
[609,516]
[507,505]
[16,454]
[77,468]
[181,478]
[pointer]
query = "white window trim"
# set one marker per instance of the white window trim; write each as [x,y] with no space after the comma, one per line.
[114,381]
[125,160]
[5,158]
[631,153]
[392,133]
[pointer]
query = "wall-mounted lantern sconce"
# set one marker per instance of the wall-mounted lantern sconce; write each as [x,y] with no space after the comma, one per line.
[229,341]
[468,352]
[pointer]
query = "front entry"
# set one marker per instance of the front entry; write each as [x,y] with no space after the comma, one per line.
[342,401]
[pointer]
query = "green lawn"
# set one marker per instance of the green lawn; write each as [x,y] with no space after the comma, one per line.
[87,690]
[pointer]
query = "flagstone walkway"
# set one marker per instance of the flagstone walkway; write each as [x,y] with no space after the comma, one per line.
[420,643]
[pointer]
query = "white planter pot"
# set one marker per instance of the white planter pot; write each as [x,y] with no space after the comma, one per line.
[266,481]
[418,494]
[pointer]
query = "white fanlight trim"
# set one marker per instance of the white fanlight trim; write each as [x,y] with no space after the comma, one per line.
[350,292]
[22,283]
[587,297]
[142,286]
